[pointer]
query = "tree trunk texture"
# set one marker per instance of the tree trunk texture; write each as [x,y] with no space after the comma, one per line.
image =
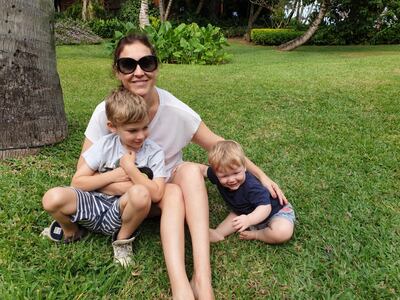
[199,7]
[144,14]
[168,10]
[252,18]
[293,44]
[31,103]
[87,10]
[161,10]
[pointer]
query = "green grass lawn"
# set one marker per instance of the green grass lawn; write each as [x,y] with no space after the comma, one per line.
[323,122]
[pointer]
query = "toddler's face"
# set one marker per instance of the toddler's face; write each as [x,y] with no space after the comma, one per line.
[232,178]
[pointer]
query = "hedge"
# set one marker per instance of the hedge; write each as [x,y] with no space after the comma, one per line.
[270,36]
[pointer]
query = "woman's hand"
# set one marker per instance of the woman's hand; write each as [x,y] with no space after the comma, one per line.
[275,190]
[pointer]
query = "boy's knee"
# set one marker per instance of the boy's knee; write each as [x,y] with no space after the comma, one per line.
[139,197]
[53,199]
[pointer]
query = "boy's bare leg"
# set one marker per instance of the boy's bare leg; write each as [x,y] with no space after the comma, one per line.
[278,231]
[190,179]
[134,206]
[60,203]
[173,241]
[223,230]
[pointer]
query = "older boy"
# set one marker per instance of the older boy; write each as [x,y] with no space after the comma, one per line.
[250,203]
[117,157]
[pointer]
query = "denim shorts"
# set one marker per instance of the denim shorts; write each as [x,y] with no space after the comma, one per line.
[286,212]
[97,212]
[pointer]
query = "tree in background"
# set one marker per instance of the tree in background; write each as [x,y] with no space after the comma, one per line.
[293,44]
[356,21]
[31,103]
[144,14]
[87,10]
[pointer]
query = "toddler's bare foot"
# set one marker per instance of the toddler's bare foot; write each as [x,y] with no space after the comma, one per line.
[248,235]
[215,236]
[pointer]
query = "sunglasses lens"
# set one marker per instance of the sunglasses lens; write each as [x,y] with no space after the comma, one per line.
[126,65]
[148,63]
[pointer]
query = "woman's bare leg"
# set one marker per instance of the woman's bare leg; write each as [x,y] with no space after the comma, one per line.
[191,182]
[60,203]
[173,241]
[278,231]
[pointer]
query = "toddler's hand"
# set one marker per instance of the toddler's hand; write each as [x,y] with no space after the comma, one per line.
[127,161]
[241,223]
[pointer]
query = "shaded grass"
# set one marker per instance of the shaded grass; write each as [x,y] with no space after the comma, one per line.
[321,121]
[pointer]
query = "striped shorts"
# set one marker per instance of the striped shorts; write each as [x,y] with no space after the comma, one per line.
[97,212]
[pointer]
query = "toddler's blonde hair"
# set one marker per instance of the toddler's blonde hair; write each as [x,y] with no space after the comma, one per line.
[124,107]
[226,155]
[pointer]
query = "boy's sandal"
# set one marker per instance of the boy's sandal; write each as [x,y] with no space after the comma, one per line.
[55,233]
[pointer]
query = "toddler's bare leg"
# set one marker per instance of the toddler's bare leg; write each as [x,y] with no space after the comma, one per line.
[60,203]
[224,229]
[278,231]
[134,206]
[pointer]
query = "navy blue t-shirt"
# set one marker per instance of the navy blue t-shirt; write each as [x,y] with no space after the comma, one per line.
[247,197]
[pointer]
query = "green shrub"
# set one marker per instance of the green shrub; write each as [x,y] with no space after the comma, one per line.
[68,31]
[269,36]
[106,28]
[389,35]
[234,31]
[127,28]
[129,11]
[74,11]
[189,44]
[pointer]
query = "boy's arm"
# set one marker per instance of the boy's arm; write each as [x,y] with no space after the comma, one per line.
[242,222]
[155,186]
[87,179]
[118,187]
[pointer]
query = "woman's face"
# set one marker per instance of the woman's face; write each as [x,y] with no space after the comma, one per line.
[138,82]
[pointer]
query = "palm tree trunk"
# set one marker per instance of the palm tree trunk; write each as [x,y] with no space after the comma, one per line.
[168,10]
[199,7]
[161,10]
[293,44]
[31,103]
[144,14]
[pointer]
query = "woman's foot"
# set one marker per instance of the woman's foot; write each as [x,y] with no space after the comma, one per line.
[202,290]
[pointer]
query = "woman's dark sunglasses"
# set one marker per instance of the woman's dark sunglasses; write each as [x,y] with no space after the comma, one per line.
[127,65]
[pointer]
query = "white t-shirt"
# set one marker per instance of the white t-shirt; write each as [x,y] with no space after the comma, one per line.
[172,128]
[104,155]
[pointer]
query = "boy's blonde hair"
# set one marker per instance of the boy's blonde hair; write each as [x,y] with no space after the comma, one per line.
[226,155]
[124,107]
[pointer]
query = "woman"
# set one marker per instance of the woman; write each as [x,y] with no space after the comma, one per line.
[173,125]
